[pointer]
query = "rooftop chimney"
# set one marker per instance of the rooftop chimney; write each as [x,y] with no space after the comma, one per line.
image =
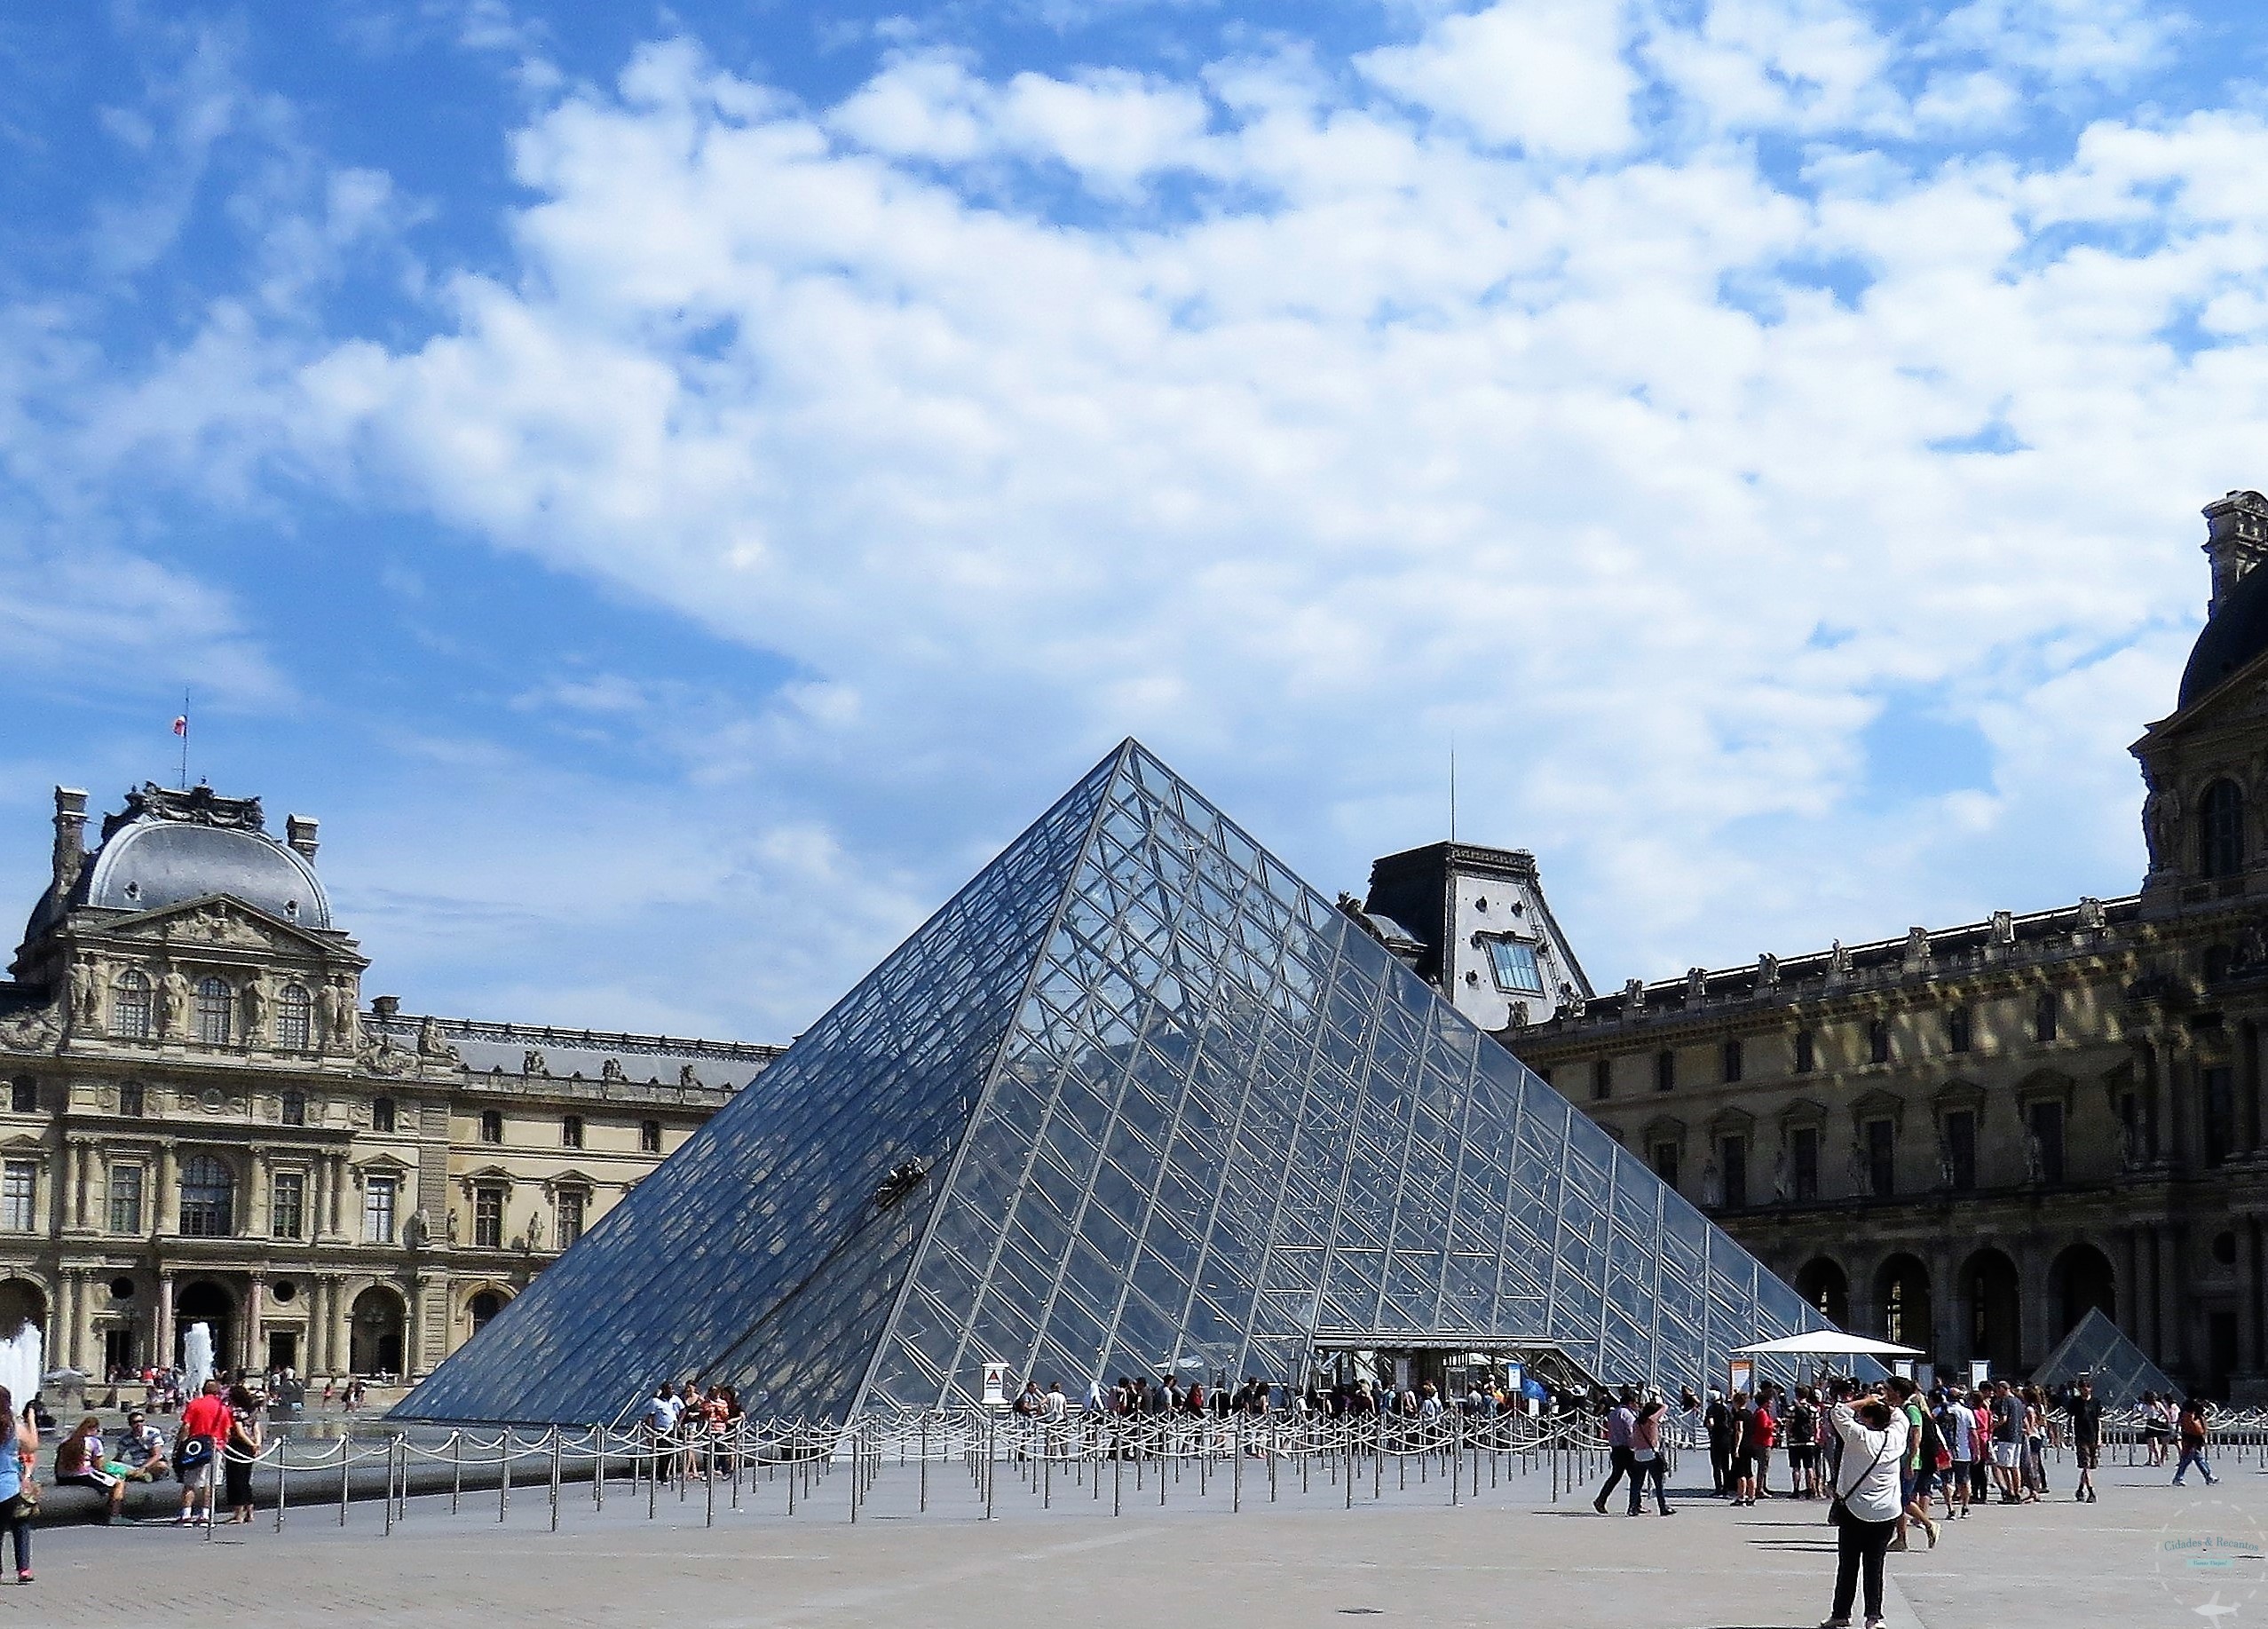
[70,831]
[299,832]
[2236,540]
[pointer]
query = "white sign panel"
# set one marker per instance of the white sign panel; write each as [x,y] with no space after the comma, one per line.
[996,1385]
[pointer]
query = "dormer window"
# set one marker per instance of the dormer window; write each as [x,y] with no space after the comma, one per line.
[295,1018]
[1513,963]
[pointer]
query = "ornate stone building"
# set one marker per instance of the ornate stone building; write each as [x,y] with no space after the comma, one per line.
[1965,1138]
[204,1122]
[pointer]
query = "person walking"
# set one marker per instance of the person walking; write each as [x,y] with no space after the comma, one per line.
[1867,1488]
[1919,1465]
[1646,1463]
[2195,1429]
[18,1458]
[2086,1438]
[1957,1425]
[1618,1456]
[2157,1427]
[204,1428]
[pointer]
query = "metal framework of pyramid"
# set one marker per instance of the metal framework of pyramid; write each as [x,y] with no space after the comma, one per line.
[1136,1098]
[2099,1349]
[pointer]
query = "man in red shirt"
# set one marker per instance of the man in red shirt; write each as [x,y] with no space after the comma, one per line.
[196,1452]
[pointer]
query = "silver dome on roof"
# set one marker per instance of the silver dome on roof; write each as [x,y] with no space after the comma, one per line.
[168,847]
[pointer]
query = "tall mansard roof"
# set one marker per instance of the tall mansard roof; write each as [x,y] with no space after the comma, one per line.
[168,846]
[2236,631]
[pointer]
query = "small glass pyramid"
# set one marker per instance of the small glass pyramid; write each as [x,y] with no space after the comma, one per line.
[2098,1349]
[1137,1098]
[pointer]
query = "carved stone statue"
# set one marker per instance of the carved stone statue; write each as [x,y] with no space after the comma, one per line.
[1860,1173]
[532,1063]
[536,1231]
[430,1044]
[1696,986]
[1768,972]
[2129,1155]
[335,1007]
[1634,996]
[86,995]
[687,1075]
[256,1009]
[417,1232]
[1779,1177]
[2034,1165]
[1713,1186]
[172,1005]
[612,1070]
[453,1227]
[1944,1165]
[1838,961]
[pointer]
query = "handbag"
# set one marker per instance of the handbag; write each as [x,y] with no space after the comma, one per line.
[1838,1513]
[25,1504]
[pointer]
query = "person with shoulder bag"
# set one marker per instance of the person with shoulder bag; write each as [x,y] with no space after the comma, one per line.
[18,1493]
[1867,1501]
[204,1427]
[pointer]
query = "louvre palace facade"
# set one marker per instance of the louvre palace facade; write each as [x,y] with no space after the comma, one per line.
[205,1120]
[1965,1138]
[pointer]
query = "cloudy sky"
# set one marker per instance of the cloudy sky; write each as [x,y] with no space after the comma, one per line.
[676,488]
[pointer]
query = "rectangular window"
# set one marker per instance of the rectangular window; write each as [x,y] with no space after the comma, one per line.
[378,1210]
[1956,1029]
[571,1214]
[571,1132]
[130,1100]
[1807,1052]
[1733,1155]
[295,1108]
[1666,1162]
[649,1137]
[1514,963]
[2045,1016]
[19,1196]
[1882,1158]
[1878,1042]
[1732,1062]
[287,1205]
[23,1095]
[1961,1151]
[2045,1122]
[1666,1071]
[125,1198]
[1602,1079]
[488,1218]
[1803,1155]
[2220,1113]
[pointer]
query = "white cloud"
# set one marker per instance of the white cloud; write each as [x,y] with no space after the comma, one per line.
[1548,76]
[1325,427]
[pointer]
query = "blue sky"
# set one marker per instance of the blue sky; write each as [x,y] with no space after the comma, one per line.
[676,490]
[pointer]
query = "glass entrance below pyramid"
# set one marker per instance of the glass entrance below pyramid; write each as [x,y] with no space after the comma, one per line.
[1170,1103]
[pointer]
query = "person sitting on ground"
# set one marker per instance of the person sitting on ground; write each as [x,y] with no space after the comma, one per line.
[79,1464]
[141,1450]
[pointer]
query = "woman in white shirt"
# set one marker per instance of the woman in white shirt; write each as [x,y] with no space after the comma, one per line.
[1873,1434]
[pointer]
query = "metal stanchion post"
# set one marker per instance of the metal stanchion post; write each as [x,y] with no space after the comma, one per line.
[456,1470]
[504,1473]
[555,1479]
[389,1486]
[598,1470]
[346,1464]
[283,1454]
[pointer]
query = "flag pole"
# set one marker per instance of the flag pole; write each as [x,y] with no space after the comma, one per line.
[185,739]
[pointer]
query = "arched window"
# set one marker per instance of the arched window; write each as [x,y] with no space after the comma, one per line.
[130,1005]
[571,1132]
[216,1011]
[295,1018]
[382,1114]
[2220,830]
[486,1304]
[208,1198]
[492,1126]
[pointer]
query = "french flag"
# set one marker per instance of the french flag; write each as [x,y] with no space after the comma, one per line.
[181,724]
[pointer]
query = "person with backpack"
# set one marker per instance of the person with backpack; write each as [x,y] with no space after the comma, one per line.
[1717,1420]
[1917,1468]
[1800,1432]
[196,1450]
[2086,1411]
[2195,1429]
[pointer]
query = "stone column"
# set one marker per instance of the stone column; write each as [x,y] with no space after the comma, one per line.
[2247,1232]
[339,1179]
[256,1220]
[82,1167]
[165,1204]
[1947,1340]
[318,1196]
[2031,1304]
[164,1356]
[255,1308]
[63,1320]
[2171,1343]
[342,1337]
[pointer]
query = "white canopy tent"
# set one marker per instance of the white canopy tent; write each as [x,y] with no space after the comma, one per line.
[1826,1343]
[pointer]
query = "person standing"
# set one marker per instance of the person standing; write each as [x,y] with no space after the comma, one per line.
[243,1447]
[2007,1442]
[1618,1456]
[1646,1463]
[18,1458]
[1867,1488]
[2196,1429]
[1717,1421]
[2086,1438]
[1744,1449]
[2157,1427]
[1958,1427]
[1801,1433]
[196,1451]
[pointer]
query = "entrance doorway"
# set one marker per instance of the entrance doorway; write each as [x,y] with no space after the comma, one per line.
[119,1354]
[376,1322]
[203,1301]
[283,1349]
[1995,1305]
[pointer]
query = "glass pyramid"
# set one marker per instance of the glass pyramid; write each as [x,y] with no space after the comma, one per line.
[2099,1349]
[1137,1098]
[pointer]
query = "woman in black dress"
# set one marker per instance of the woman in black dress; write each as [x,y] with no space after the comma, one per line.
[243,1447]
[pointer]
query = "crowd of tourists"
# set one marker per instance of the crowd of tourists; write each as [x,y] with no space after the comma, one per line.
[1892,1461]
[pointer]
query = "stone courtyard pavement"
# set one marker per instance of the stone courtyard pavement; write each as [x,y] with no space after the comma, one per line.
[1509,1556]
